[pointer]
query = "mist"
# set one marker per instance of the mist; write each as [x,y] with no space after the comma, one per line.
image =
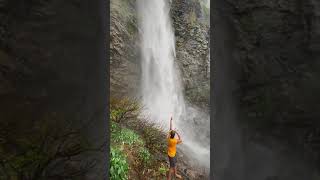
[161,90]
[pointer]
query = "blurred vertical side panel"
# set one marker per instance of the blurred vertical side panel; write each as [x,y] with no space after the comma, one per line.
[53,89]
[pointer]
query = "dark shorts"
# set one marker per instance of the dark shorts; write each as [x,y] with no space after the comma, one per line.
[172,161]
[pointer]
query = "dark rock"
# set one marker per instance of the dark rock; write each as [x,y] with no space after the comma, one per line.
[124,67]
[191,56]
[52,80]
[266,64]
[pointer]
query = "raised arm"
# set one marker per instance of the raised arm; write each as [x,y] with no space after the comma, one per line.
[170,128]
[179,138]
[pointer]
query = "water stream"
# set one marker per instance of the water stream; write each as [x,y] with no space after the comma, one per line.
[162,92]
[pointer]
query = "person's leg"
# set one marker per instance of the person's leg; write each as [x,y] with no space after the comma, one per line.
[170,173]
[175,168]
[176,174]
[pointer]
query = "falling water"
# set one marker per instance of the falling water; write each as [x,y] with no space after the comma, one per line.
[161,89]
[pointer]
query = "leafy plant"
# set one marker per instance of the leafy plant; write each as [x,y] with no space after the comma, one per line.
[114,127]
[118,165]
[115,114]
[162,170]
[144,155]
[124,136]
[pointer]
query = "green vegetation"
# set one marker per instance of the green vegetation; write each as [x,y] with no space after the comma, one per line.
[118,165]
[124,136]
[134,142]
[145,156]
[162,170]
[124,109]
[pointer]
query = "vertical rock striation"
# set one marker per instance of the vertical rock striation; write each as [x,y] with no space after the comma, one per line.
[191,24]
[124,49]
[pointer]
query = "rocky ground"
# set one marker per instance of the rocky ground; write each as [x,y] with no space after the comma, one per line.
[188,171]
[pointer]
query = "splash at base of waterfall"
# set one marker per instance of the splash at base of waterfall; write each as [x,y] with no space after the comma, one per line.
[199,154]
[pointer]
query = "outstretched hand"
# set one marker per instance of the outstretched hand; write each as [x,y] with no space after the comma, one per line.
[179,138]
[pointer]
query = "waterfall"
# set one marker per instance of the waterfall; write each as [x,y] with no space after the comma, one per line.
[162,92]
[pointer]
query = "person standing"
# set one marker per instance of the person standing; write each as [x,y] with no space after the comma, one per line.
[172,150]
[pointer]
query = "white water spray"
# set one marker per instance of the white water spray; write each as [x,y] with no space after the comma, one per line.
[161,90]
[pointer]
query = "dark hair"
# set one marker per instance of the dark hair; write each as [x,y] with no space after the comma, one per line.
[172,133]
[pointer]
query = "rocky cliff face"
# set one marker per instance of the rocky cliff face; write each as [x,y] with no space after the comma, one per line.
[270,62]
[124,50]
[191,24]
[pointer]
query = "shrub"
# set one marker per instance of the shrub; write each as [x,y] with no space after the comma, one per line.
[162,170]
[125,136]
[118,165]
[125,108]
[155,139]
[144,156]
[152,134]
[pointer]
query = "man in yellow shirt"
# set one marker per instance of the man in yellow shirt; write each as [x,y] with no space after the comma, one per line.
[172,142]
